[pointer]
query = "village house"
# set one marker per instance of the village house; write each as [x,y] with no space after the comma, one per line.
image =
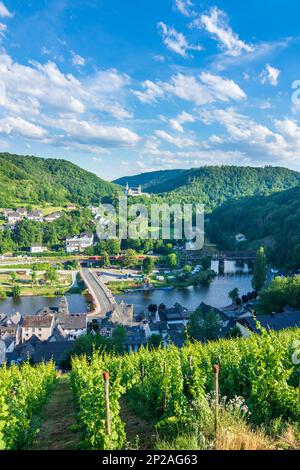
[36,216]
[22,211]
[72,325]
[79,243]
[13,217]
[52,217]
[37,249]
[288,318]
[5,211]
[240,237]
[52,351]
[41,326]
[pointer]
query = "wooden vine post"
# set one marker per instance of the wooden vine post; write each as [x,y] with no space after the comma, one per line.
[142,373]
[216,397]
[164,401]
[107,406]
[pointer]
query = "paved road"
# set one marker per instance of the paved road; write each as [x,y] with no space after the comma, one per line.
[100,291]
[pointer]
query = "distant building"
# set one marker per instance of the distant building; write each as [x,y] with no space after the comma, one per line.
[56,351]
[52,217]
[37,249]
[134,191]
[288,318]
[36,216]
[73,325]
[41,326]
[13,217]
[77,244]
[22,211]
[64,306]
[240,237]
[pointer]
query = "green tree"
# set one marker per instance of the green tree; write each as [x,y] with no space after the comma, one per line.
[13,277]
[33,278]
[130,258]
[51,275]
[154,342]
[2,293]
[113,246]
[206,262]
[234,294]
[148,265]
[172,260]
[204,328]
[187,268]
[105,261]
[119,336]
[259,270]
[16,291]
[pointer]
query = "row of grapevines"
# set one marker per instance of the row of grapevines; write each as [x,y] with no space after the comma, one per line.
[23,391]
[168,383]
[88,387]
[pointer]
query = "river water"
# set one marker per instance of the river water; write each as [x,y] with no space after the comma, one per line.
[30,305]
[214,294]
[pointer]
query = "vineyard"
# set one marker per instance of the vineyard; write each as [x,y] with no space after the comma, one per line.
[174,388]
[23,392]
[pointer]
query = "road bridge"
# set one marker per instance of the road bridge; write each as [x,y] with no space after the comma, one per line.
[103,299]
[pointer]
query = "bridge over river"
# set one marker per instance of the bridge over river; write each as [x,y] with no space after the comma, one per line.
[103,299]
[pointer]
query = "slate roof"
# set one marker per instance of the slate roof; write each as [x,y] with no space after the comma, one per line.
[205,309]
[289,318]
[176,338]
[135,337]
[57,351]
[72,321]
[38,321]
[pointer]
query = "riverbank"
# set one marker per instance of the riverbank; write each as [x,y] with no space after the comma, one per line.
[170,281]
[68,282]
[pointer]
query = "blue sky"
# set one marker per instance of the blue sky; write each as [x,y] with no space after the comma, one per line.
[121,87]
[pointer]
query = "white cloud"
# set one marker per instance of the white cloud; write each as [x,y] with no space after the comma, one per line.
[151,93]
[188,88]
[4,12]
[204,91]
[38,95]
[270,75]
[90,132]
[216,23]
[77,59]
[176,126]
[184,6]
[177,141]
[158,58]
[3,29]
[175,41]
[43,87]
[222,89]
[182,118]
[257,139]
[19,127]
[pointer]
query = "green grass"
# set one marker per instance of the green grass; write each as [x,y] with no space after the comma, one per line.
[59,430]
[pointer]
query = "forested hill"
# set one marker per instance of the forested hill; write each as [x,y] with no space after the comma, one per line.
[214,185]
[149,181]
[33,180]
[272,221]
